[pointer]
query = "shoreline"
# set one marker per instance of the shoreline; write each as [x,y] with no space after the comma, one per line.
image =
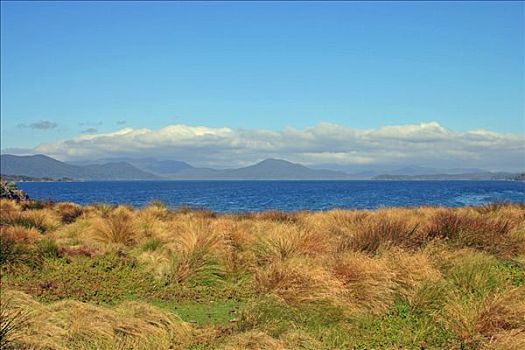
[265,180]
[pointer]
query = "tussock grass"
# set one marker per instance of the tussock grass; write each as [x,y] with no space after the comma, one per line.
[13,320]
[18,245]
[287,241]
[253,340]
[71,324]
[297,280]
[69,212]
[503,311]
[368,283]
[194,253]
[382,231]
[391,278]
[41,219]
[411,271]
[116,227]
[488,321]
[506,340]
[475,273]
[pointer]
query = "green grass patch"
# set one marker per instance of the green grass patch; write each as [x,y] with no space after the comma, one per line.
[107,279]
[209,313]
[401,328]
[514,272]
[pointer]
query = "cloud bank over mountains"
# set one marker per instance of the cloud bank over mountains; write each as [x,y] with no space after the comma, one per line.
[424,144]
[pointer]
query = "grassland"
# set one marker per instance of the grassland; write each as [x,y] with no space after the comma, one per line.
[105,277]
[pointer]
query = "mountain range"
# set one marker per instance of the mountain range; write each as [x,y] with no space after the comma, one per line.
[42,166]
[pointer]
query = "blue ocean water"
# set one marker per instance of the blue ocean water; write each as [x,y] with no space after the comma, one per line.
[234,196]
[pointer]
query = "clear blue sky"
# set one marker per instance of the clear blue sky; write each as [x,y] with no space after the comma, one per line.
[259,65]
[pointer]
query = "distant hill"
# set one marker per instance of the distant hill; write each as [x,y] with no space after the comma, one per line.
[21,178]
[367,172]
[41,166]
[160,167]
[424,171]
[269,169]
[467,176]
[163,168]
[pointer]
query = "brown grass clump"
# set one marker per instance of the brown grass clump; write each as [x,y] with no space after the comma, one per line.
[300,340]
[257,340]
[196,252]
[42,219]
[272,215]
[445,224]
[381,231]
[150,223]
[372,283]
[253,340]
[337,225]
[17,244]
[158,262]
[236,253]
[496,234]
[76,325]
[368,282]
[298,280]
[286,241]
[189,211]
[506,340]
[177,331]
[69,211]
[155,211]
[102,209]
[117,227]
[12,321]
[9,209]
[19,234]
[489,320]
[411,271]
[189,250]
[37,204]
[504,311]
[9,205]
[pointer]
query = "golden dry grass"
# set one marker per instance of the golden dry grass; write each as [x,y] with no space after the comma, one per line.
[458,269]
[71,324]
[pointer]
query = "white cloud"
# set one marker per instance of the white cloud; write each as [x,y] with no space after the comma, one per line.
[425,144]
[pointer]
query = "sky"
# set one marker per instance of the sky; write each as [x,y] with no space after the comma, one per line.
[229,83]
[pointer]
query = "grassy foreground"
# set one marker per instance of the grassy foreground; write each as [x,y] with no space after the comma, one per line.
[104,277]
